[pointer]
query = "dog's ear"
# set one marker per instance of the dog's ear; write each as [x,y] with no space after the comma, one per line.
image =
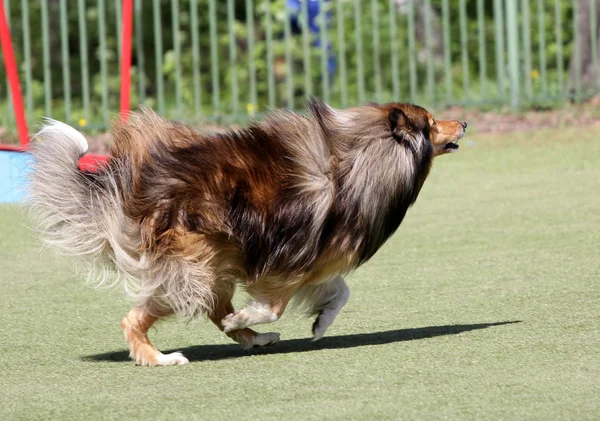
[321,113]
[399,123]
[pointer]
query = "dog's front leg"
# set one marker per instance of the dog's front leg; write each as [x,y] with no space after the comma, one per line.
[326,302]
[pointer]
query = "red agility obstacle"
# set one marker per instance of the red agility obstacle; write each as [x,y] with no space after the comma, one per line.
[13,77]
[88,162]
[127,29]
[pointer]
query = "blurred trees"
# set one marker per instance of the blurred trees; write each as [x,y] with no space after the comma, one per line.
[589,76]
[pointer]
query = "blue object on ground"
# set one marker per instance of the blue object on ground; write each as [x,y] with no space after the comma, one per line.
[13,175]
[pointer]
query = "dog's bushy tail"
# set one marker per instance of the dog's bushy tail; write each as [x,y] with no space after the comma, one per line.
[67,206]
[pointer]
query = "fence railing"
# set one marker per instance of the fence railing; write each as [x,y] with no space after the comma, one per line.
[207,60]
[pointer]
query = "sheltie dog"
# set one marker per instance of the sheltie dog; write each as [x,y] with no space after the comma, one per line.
[284,208]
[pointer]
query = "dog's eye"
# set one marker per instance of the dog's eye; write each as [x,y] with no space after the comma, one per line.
[434,123]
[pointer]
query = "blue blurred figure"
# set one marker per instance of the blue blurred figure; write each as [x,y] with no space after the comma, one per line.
[313,7]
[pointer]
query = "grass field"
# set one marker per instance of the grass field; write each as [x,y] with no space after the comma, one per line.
[485,305]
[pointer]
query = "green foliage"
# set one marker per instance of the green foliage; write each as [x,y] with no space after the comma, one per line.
[236,73]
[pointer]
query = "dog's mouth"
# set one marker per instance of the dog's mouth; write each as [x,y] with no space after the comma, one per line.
[452,146]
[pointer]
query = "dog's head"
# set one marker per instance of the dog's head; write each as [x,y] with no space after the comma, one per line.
[408,121]
[408,124]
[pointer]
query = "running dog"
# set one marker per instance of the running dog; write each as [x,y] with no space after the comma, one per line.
[284,208]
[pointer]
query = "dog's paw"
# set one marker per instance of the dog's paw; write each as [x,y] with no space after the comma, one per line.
[265,339]
[324,320]
[232,321]
[175,358]
[261,340]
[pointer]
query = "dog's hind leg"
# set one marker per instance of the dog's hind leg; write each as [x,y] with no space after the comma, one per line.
[325,300]
[261,310]
[247,338]
[135,327]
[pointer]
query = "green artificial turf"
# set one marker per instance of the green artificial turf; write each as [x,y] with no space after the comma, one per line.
[484,305]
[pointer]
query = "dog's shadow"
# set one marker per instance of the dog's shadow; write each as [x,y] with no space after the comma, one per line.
[221,352]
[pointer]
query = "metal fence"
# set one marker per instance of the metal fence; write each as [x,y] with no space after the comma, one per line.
[209,60]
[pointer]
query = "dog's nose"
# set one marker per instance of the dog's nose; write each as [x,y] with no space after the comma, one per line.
[464,124]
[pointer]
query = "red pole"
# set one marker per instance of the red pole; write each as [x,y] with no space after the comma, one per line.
[13,77]
[127,29]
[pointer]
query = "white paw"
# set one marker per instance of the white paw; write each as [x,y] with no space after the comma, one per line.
[175,358]
[266,339]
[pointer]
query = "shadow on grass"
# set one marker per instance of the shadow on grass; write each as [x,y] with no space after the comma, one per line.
[221,352]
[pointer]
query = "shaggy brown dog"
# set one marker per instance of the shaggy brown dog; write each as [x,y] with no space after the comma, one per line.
[284,208]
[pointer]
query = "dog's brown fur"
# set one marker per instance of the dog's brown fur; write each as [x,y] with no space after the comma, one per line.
[283,207]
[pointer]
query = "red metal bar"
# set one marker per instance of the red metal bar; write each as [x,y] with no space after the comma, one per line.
[92,162]
[127,29]
[88,162]
[13,148]
[13,77]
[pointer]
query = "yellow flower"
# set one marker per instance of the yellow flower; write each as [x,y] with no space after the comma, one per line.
[535,74]
[82,122]
[250,108]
